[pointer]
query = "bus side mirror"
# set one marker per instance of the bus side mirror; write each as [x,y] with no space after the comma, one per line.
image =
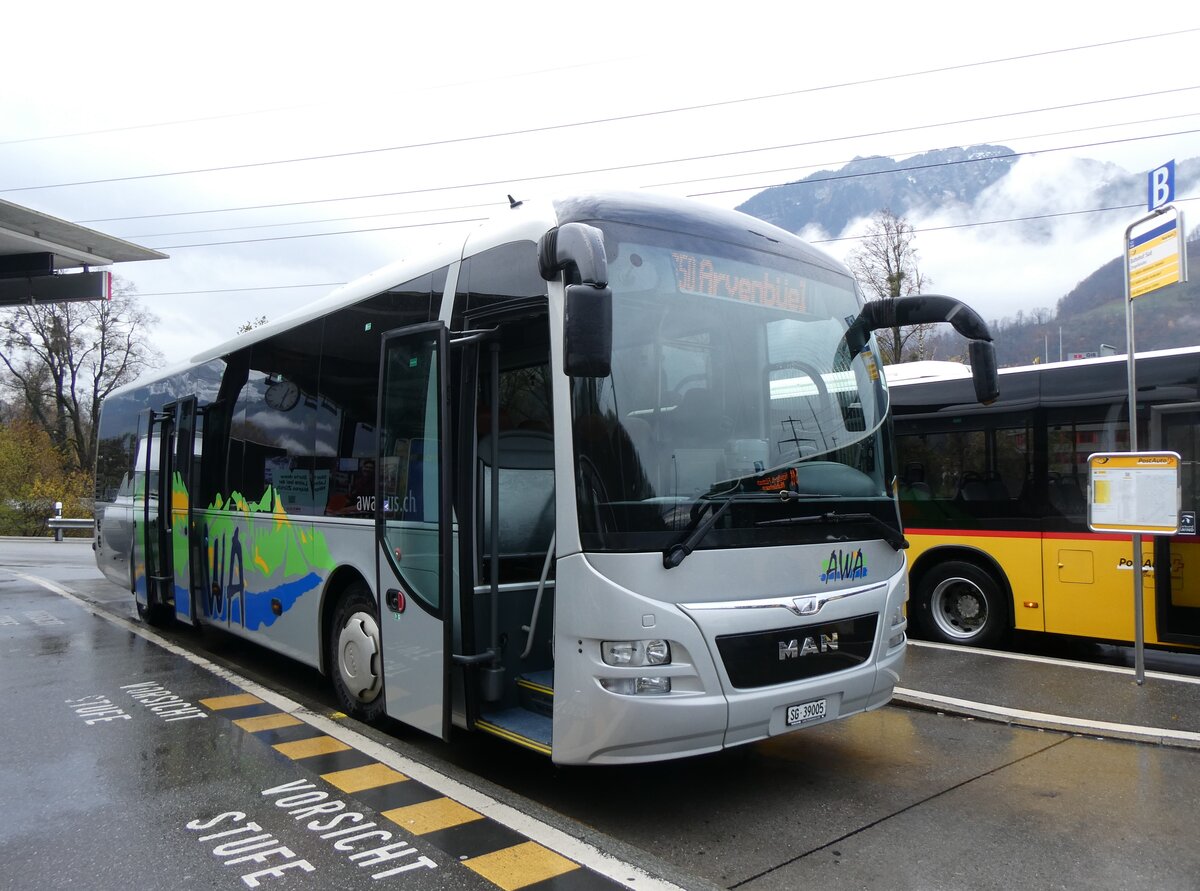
[578,250]
[922,309]
[587,331]
[983,370]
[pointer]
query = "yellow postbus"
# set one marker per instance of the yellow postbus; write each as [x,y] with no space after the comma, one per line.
[994,499]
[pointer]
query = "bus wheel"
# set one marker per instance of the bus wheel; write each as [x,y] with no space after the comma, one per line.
[959,603]
[156,615]
[355,660]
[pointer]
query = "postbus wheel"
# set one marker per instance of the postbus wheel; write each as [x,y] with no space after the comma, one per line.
[960,603]
[355,658]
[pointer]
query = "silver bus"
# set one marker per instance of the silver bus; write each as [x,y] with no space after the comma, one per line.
[611,479]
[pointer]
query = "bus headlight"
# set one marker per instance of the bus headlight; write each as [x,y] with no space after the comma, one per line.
[635,652]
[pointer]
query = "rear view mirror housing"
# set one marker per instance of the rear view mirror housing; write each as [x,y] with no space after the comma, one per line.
[924,309]
[576,250]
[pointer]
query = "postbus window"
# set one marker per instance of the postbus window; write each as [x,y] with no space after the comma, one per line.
[970,473]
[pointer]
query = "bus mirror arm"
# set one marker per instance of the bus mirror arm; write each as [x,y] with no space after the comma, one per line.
[924,309]
[577,250]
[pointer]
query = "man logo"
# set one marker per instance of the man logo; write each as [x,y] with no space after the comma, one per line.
[794,649]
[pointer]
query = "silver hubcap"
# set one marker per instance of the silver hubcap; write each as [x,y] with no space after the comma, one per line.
[358,657]
[959,608]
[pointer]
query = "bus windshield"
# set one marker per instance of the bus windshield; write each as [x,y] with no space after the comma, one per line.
[729,375]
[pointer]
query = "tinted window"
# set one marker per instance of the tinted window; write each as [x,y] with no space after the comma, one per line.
[502,273]
[345,443]
[271,436]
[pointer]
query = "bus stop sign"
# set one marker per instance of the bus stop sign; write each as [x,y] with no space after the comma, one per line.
[1160,186]
[1134,492]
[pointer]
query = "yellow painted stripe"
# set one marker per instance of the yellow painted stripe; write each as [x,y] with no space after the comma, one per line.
[369,776]
[430,816]
[267,722]
[307,748]
[540,688]
[520,866]
[513,737]
[236,701]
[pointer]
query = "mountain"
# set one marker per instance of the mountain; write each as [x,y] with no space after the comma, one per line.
[832,199]
[985,182]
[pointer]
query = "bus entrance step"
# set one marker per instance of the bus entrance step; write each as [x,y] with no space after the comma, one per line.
[537,692]
[519,725]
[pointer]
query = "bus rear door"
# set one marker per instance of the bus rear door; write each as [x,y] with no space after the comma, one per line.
[188,550]
[1176,428]
[154,576]
[413,531]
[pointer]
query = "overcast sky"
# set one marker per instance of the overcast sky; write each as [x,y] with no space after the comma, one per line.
[169,124]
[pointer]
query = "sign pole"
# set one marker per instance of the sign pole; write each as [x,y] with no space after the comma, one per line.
[1160,262]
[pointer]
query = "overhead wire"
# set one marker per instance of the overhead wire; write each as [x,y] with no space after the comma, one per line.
[633,166]
[723,176]
[606,120]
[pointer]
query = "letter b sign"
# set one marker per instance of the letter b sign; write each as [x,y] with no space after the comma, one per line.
[1160,187]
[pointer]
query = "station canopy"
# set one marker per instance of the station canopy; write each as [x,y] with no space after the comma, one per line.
[36,249]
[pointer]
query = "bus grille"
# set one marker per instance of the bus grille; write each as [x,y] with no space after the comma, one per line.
[762,658]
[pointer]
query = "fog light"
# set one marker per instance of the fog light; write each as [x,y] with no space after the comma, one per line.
[636,686]
[635,652]
[898,622]
[653,685]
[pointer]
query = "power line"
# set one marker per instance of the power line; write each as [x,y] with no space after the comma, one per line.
[1026,219]
[179,247]
[238,290]
[723,176]
[650,163]
[608,120]
[832,178]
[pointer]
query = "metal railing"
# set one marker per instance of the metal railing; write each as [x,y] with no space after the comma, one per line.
[59,523]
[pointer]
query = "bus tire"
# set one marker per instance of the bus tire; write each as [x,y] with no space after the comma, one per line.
[156,615]
[355,657]
[960,603]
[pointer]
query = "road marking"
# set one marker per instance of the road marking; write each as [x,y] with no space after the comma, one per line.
[370,776]
[549,848]
[1050,660]
[520,866]
[308,748]
[266,722]
[432,816]
[1159,735]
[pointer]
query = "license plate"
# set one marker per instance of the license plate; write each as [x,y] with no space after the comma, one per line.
[805,712]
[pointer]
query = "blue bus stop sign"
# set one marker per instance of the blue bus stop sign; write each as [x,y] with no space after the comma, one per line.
[1160,186]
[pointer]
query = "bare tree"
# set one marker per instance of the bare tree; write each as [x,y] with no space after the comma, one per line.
[64,358]
[885,265]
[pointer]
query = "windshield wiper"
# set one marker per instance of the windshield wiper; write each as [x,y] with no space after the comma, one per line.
[891,535]
[678,552]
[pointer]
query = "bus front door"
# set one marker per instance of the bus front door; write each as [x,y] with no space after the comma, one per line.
[413,531]
[1176,428]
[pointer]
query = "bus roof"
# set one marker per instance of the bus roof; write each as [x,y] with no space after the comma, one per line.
[527,220]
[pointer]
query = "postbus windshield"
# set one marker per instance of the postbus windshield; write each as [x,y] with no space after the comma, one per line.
[729,376]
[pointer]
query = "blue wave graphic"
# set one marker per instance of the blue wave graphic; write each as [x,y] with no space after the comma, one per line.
[258,603]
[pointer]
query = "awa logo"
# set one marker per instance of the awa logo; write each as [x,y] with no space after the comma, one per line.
[843,565]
